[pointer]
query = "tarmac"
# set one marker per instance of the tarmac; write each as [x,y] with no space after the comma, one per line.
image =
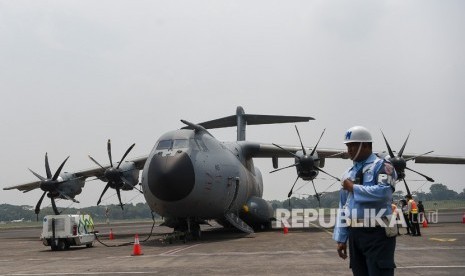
[308,251]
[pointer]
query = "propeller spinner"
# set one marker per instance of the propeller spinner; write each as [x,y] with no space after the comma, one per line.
[50,185]
[114,175]
[400,163]
[306,165]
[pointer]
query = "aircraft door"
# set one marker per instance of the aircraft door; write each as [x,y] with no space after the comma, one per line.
[231,187]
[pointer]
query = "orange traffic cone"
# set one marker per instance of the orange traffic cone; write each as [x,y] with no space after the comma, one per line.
[285,230]
[425,223]
[136,250]
[111,237]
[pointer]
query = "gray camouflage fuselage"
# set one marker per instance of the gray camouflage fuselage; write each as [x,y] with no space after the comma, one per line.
[192,174]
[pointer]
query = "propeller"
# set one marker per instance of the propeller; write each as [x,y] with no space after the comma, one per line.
[400,163]
[306,164]
[114,175]
[50,185]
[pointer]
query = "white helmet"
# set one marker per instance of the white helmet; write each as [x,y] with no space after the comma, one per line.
[357,134]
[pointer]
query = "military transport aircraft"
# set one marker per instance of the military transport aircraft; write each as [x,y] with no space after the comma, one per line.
[190,177]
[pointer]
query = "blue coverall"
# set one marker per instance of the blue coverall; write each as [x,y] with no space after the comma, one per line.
[371,251]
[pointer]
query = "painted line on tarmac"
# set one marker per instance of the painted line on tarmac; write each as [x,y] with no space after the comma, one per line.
[288,252]
[442,239]
[447,234]
[322,228]
[85,273]
[431,266]
[238,253]
[176,250]
[430,248]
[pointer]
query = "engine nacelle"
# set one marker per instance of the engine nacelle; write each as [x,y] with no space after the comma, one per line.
[306,166]
[130,174]
[71,185]
[257,212]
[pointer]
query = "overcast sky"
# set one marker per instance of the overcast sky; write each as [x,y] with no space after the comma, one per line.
[75,73]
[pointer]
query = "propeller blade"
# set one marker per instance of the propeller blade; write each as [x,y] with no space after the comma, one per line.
[425,176]
[37,210]
[125,154]
[290,192]
[36,174]
[298,134]
[293,165]
[57,173]
[403,146]
[295,155]
[318,169]
[104,190]
[316,194]
[47,167]
[95,161]
[314,149]
[109,152]
[406,187]
[411,158]
[391,154]
[54,206]
[119,198]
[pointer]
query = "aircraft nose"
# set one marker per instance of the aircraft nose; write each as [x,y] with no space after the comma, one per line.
[171,178]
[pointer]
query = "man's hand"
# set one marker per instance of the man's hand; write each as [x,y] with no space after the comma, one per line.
[342,250]
[348,185]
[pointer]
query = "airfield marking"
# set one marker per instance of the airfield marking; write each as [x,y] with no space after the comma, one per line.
[431,266]
[449,233]
[84,273]
[442,240]
[324,229]
[176,250]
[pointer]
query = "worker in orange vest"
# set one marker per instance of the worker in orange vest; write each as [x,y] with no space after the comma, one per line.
[413,215]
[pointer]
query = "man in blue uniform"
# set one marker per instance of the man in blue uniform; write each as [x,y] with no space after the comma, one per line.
[365,202]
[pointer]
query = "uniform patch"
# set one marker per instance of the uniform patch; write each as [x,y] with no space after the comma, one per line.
[388,168]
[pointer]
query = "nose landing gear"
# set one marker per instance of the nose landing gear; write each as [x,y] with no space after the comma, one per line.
[188,231]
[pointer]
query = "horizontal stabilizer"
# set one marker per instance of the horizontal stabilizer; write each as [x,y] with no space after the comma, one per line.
[241,119]
[252,119]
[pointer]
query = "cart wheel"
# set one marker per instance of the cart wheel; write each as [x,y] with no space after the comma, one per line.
[61,245]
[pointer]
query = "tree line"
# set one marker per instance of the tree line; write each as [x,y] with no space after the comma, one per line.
[438,192]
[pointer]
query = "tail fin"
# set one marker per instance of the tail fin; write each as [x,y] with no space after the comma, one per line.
[241,119]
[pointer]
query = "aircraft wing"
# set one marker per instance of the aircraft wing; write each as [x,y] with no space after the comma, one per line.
[436,159]
[93,172]
[261,150]
[25,187]
[98,172]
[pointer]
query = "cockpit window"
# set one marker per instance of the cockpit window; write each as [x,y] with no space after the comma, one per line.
[180,143]
[164,144]
[173,144]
